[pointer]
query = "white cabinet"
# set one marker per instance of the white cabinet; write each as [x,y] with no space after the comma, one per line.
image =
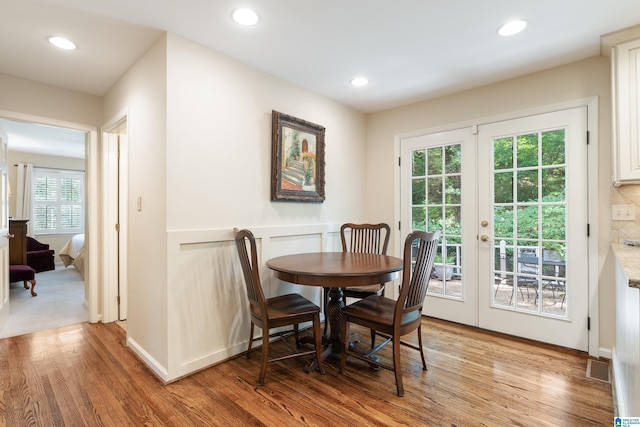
[626,354]
[625,60]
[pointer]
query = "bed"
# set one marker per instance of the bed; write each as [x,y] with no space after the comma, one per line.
[73,253]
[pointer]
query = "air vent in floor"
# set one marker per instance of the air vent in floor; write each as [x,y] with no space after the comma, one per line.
[598,370]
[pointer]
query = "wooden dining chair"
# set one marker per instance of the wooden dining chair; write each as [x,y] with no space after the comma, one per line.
[362,238]
[275,312]
[390,318]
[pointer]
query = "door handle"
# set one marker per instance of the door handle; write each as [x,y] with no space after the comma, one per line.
[10,236]
[484,238]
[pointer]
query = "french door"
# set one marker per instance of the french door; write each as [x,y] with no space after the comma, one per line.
[533,250]
[439,192]
[512,203]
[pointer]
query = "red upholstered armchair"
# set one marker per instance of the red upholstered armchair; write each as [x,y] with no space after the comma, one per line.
[39,256]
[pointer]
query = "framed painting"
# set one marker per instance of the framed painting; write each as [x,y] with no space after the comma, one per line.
[297,166]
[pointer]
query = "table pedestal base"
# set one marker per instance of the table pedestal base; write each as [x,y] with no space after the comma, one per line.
[332,344]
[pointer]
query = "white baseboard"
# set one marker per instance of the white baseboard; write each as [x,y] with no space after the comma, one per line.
[619,405]
[605,353]
[154,365]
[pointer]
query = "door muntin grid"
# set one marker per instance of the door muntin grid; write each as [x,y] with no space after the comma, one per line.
[529,217]
[436,183]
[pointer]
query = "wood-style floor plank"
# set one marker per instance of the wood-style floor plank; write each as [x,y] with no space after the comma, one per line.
[82,375]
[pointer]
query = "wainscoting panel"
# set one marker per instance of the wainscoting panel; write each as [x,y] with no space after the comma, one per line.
[208,313]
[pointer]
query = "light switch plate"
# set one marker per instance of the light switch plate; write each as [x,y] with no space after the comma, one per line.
[623,213]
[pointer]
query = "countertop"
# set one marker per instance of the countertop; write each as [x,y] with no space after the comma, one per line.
[629,258]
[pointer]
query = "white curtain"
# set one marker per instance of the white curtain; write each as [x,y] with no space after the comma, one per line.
[24,198]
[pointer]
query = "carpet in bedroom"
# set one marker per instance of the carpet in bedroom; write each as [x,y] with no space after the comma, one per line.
[60,302]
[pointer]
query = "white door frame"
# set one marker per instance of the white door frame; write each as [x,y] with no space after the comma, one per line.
[92,214]
[4,231]
[114,180]
[592,127]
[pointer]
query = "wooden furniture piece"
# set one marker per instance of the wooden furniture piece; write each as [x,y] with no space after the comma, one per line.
[337,270]
[39,256]
[268,313]
[395,318]
[24,274]
[363,238]
[18,241]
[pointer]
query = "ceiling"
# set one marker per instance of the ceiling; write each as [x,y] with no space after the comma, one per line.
[43,139]
[410,50]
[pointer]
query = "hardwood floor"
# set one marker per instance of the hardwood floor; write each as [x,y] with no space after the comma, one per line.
[81,375]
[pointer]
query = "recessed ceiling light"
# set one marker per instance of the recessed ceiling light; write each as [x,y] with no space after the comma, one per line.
[245,17]
[512,27]
[62,43]
[359,81]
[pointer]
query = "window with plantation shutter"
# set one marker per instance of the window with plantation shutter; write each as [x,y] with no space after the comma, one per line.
[58,201]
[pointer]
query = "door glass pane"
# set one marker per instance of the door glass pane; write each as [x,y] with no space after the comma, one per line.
[418,163]
[436,191]
[503,222]
[503,153]
[453,158]
[553,147]
[417,191]
[527,150]
[528,186]
[434,160]
[503,187]
[418,218]
[452,189]
[530,223]
[553,181]
[503,277]
[527,222]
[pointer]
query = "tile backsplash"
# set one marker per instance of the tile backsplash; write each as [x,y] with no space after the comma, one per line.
[621,230]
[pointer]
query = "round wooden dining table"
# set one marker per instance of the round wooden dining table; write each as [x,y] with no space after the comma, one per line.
[335,270]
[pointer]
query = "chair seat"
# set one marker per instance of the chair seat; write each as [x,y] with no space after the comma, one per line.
[285,306]
[364,290]
[377,312]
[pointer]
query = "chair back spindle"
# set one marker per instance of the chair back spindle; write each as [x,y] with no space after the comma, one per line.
[249,265]
[416,271]
[365,238]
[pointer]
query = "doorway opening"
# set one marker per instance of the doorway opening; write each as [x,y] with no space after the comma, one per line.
[58,159]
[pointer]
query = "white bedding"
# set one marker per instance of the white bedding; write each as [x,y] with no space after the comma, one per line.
[73,253]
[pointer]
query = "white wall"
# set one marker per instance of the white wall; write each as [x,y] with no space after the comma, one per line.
[39,99]
[142,92]
[200,156]
[219,144]
[582,79]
